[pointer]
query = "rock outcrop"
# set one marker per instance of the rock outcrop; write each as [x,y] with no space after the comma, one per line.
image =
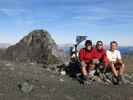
[38,46]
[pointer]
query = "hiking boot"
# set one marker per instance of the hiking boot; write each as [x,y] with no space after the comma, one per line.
[80,78]
[85,77]
[87,80]
[102,76]
[108,81]
[105,79]
[115,80]
[120,79]
[97,79]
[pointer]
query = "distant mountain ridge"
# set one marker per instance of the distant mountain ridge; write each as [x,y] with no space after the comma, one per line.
[126,50]
[123,49]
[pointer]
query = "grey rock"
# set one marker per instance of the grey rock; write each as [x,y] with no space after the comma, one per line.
[61,80]
[12,68]
[128,76]
[8,64]
[25,87]
[38,46]
[125,80]
[43,87]
[63,73]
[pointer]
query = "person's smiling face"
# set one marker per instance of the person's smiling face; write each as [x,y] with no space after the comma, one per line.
[114,46]
[99,46]
[88,47]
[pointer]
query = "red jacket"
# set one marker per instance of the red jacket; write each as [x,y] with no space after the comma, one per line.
[88,56]
[85,55]
[101,55]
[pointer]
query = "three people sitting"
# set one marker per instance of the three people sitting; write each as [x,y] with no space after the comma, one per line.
[97,57]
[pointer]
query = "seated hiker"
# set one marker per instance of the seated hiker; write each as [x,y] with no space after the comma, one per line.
[115,60]
[100,58]
[86,56]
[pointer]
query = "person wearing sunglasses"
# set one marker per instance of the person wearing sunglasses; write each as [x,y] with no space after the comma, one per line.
[100,54]
[100,58]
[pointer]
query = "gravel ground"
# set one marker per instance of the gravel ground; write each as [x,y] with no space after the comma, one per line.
[42,84]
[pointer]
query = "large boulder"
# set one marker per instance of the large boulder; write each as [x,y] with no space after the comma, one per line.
[38,46]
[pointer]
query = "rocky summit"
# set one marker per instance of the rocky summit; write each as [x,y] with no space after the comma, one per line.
[22,79]
[38,46]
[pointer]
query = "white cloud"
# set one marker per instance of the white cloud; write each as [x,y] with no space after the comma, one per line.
[13,12]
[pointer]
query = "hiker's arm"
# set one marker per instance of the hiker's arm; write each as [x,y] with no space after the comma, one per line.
[119,58]
[105,59]
[81,55]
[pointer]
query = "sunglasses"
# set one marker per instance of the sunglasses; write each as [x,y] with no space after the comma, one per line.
[100,44]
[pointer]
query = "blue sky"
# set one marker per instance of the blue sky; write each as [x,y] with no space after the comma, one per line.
[98,19]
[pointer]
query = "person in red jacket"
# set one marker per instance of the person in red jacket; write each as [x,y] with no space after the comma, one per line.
[100,60]
[100,56]
[86,56]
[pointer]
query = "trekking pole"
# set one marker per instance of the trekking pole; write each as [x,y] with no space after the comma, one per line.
[76,51]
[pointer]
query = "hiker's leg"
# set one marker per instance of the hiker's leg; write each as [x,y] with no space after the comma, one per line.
[121,72]
[84,68]
[84,71]
[91,70]
[114,69]
[99,71]
[92,67]
[122,68]
[106,67]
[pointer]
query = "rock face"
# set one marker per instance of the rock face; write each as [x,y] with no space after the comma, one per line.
[38,46]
